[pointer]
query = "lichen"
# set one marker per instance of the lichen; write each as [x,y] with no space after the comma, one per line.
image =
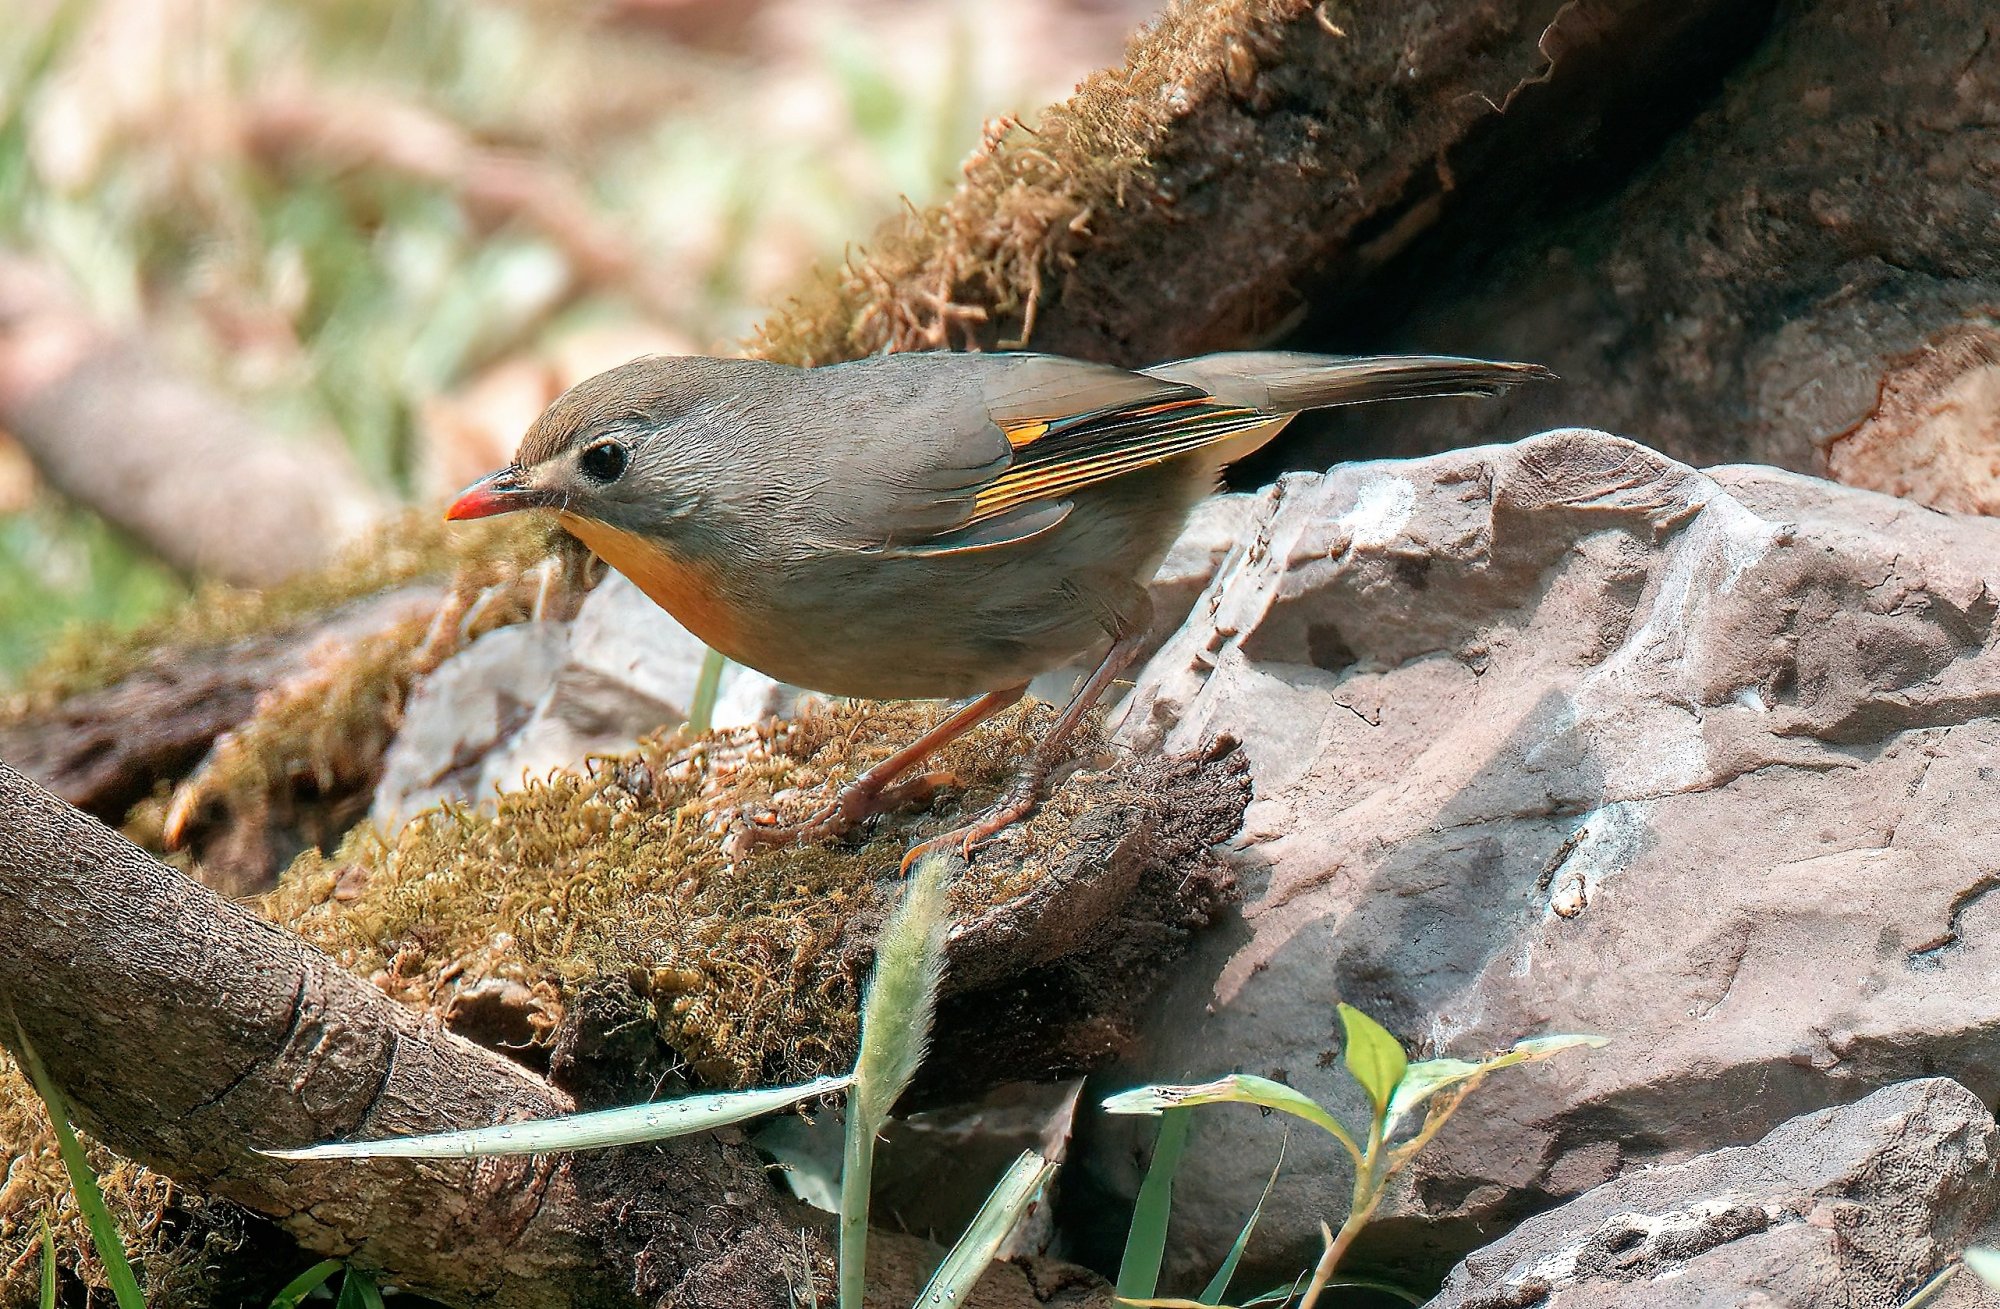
[621,871]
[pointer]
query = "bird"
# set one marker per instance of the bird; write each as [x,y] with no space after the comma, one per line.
[922,525]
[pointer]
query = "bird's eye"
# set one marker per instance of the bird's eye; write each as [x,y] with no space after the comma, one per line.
[603,462]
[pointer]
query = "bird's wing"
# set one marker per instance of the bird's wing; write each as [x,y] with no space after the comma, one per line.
[1071,425]
[1033,430]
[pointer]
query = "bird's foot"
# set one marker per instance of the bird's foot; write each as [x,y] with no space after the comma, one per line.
[1018,803]
[856,804]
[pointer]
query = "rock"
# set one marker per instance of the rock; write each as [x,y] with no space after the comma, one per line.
[472,703]
[629,669]
[1844,1207]
[1565,736]
[522,701]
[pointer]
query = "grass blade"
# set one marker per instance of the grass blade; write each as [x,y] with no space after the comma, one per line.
[952,1283]
[896,1013]
[1403,1293]
[1146,1239]
[104,1236]
[627,1126]
[1237,1088]
[303,1285]
[358,1291]
[1218,1286]
[707,688]
[48,1267]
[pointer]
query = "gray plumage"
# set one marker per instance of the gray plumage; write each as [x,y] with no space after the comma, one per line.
[870,529]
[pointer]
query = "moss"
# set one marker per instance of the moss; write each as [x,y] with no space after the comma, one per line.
[34,1186]
[977,267]
[411,547]
[751,963]
[322,734]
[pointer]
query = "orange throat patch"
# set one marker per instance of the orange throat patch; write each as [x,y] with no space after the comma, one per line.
[690,592]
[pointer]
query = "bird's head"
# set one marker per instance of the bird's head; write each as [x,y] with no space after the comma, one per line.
[614,449]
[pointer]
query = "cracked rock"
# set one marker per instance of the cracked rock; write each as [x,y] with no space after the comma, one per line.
[1566,736]
[1848,1207]
[474,701]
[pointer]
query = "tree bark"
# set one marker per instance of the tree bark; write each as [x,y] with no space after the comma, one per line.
[186,1032]
[1808,274]
[104,750]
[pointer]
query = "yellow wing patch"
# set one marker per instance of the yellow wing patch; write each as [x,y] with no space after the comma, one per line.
[1122,441]
[1025,434]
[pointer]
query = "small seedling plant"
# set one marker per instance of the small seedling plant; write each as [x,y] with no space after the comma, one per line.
[1395,1134]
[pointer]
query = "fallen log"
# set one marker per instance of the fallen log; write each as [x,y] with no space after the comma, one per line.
[186,1031]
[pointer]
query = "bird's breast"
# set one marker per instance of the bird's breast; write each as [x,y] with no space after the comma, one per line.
[692,592]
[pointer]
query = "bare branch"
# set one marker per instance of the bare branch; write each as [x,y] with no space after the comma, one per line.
[196,479]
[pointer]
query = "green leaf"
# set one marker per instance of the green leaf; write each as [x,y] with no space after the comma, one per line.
[628,1126]
[1218,1285]
[952,1283]
[1146,1238]
[1422,1081]
[357,1291]
[302,1286]
[48,1267]
[104,1236]
[1372,1056]
[1237,1088]
[1984,1262]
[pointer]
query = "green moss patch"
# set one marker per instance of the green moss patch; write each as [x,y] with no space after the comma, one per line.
[751,963]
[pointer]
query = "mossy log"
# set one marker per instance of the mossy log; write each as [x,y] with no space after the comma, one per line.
[187,1031]
[105,749]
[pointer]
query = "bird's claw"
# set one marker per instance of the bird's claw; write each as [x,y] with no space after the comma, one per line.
[974,834]
[854,806]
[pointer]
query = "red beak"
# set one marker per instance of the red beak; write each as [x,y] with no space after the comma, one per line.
[497,493]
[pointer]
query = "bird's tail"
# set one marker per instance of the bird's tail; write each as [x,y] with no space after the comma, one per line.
[1287,382]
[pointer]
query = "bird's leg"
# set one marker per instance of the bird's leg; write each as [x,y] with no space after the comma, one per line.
[875,790]
[1026,791]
